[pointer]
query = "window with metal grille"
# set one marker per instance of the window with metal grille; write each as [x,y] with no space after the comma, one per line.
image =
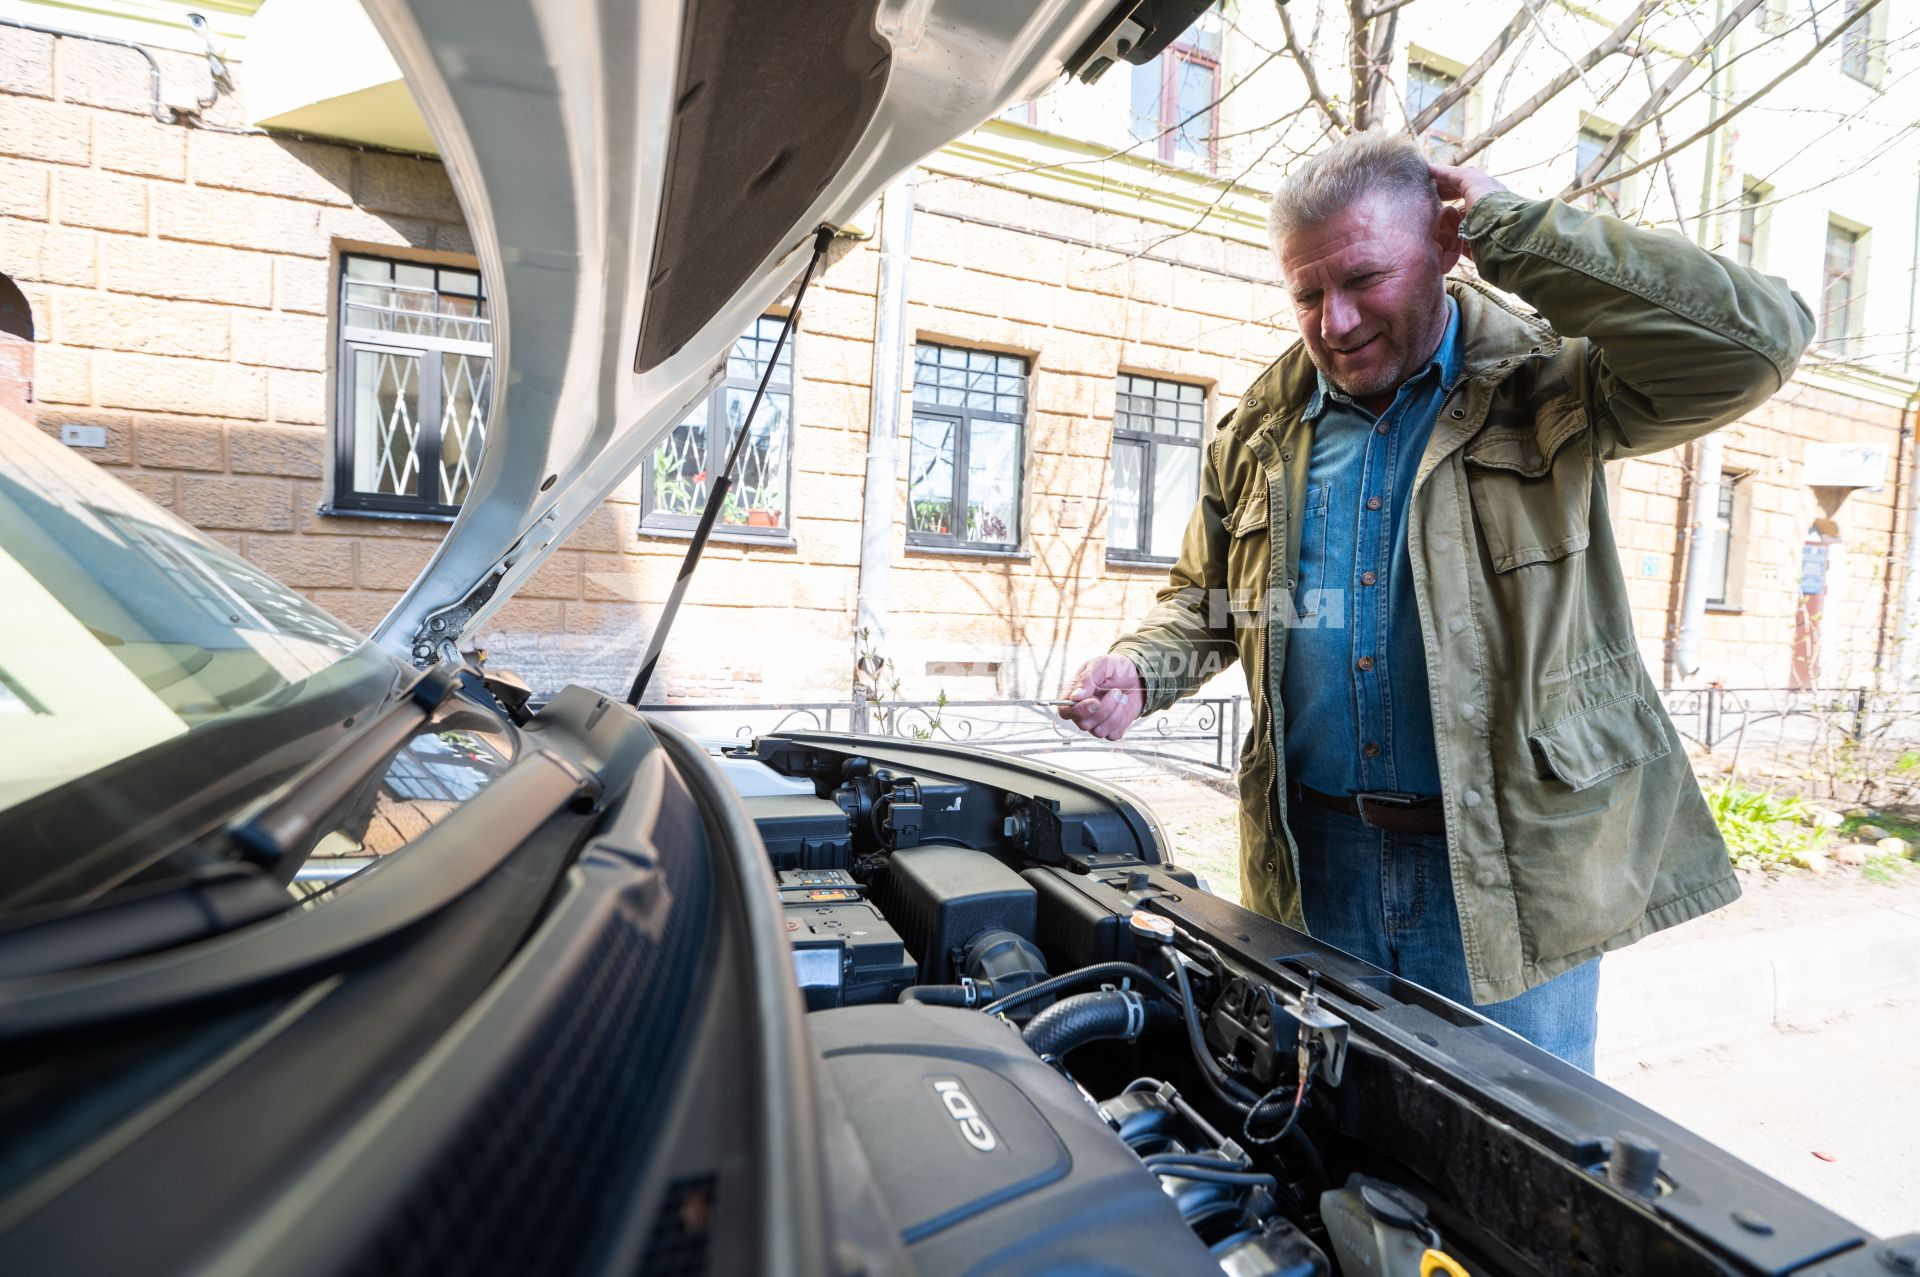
[1156,467]
[1840,290]
[1175,97]
[1608,197]
[415,386]
[1448,132]
[965,453]
[675,484]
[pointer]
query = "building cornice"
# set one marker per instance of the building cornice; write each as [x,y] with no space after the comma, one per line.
[1034,162]
[1881,388]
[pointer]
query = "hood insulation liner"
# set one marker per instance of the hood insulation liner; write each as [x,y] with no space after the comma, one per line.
[770,103]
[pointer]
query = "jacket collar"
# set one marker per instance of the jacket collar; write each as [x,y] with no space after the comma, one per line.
[1493,336]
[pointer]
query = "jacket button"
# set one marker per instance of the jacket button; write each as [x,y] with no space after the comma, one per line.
[1267,864]
[1486,878]
[1365,663]
[1471,797]
[1457,413]
[1469,710]
[1455,625]
[1290,583]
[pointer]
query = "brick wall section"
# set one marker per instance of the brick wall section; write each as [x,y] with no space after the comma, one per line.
[181,279]
[180,282]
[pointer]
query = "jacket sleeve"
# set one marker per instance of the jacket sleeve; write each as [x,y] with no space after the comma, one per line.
[1681,341]
[1187,637]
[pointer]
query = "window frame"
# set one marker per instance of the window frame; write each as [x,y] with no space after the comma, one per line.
[1750,224]
[428,348]
[1152,442]
[1417,66]
[1863,44]
[654,521]
[1730,527]
[1615,192]
[1840,345]
[961,418]
[1167,63]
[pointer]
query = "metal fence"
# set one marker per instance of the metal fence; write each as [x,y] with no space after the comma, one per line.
[1714,716]
[1201,732]
[1206,732]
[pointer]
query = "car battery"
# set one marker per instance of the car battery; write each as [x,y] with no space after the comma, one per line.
[844,953]
[818,887]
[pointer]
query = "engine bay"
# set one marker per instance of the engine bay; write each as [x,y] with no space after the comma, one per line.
[1057,1048]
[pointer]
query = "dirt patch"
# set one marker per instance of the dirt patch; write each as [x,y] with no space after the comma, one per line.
[1203,823]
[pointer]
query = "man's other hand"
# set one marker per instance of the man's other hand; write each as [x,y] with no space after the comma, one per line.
[1465,185]
[1106,697]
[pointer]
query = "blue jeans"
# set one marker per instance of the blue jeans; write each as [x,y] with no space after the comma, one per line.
[1387,899]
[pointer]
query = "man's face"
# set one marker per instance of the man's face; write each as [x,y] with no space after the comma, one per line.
[1369,291]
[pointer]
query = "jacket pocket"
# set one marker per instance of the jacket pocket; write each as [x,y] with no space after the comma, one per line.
[1532,505]
[1602,740]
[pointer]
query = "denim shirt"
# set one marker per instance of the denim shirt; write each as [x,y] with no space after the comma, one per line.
[1358,715]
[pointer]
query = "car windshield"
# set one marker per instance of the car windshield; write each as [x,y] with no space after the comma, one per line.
[131,637]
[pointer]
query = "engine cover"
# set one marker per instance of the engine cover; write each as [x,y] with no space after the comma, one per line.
[988,1160]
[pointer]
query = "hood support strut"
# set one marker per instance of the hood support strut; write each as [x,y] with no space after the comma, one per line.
[717,495]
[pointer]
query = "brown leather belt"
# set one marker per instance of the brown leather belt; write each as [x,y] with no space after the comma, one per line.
[1387,809]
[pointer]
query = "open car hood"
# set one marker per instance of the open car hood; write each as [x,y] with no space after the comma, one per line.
[642,180]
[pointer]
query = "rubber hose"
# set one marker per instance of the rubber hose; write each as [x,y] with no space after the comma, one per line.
[1090,1017]
[938,995]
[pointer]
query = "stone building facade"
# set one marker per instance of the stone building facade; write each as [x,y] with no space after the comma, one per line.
[183,284]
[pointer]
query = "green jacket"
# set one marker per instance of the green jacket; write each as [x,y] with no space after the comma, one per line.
[1574,823]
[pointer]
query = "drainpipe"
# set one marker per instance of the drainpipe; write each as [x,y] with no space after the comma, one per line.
[1907,640]
[1901,637]
[883,430]
[1705,501]
[1703,496]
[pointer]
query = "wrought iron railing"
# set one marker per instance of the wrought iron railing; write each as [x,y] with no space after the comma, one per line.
[1713,716]
[1202,732]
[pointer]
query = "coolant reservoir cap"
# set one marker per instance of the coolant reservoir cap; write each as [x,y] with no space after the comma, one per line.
[1151,927]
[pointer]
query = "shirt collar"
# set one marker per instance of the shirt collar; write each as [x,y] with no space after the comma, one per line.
[1445,362]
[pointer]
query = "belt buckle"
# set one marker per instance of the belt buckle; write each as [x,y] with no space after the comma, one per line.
[1383,798]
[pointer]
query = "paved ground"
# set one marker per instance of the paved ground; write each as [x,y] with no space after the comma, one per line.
[1842,1085]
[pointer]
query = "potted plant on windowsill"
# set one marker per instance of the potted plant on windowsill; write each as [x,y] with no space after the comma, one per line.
[759,517]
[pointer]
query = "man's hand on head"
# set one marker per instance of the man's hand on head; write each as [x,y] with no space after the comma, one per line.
[1106,696]
[1465,185]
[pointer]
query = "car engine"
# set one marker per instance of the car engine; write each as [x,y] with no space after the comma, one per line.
[1043,1069]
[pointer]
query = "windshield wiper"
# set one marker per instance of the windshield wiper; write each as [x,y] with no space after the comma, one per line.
[278,833]
[717,495]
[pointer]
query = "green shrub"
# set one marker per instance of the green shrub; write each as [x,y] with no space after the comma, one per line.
[1760,828]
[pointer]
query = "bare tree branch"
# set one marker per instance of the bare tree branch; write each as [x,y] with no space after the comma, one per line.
[1319,95]
[1473,74]
[1382,10]
[1614,41]
[1359,64]
[1380,56]
[1735,109]
[1657,97]
[1660,132]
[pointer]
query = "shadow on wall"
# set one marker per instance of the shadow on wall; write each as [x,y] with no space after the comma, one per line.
[16,350]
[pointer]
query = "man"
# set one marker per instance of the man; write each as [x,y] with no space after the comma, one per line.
[1459,769]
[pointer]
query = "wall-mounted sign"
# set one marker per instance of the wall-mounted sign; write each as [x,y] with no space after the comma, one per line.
[1845,465]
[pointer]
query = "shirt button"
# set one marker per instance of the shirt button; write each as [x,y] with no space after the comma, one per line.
[1371,750]
[1373,503]
[1381,428]
[1471,797]
[1486,877]
[1366,578]
[1365,663]
[1455,625]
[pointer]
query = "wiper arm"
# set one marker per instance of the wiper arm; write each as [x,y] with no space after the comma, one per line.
[205,904]
[717,495]
[278,834]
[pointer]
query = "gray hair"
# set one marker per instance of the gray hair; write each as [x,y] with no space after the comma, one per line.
[1356,166]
